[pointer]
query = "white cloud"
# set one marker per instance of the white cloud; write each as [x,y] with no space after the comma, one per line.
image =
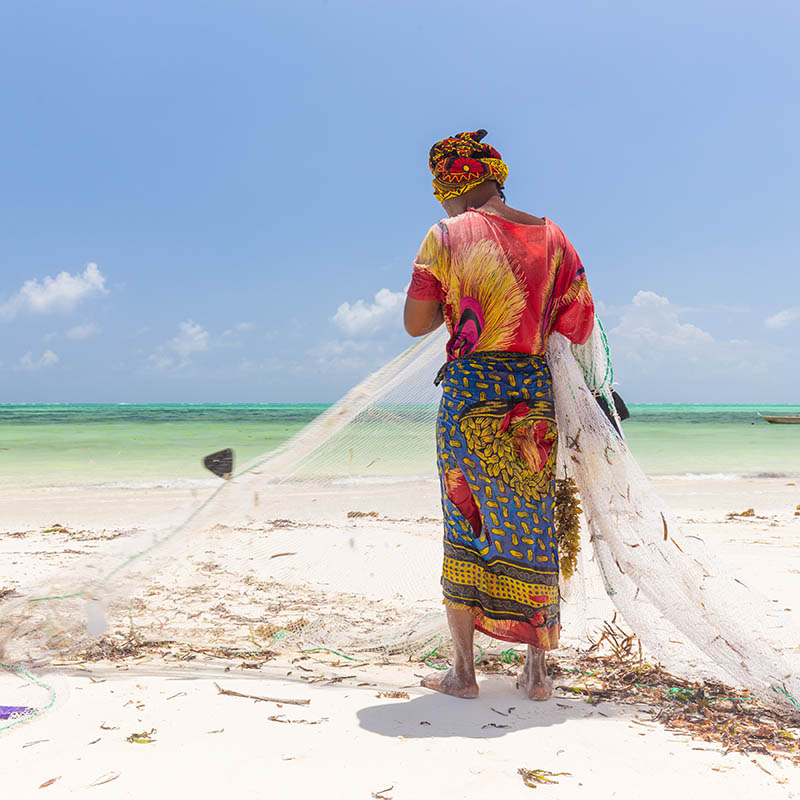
[192,338]
[61,293]
[80,332]
[160,361]
[361,317]
[231,337]
[251,365]
[650,322]
[28,363]
[373,331]
[783,318]
[651,339]
[346,354]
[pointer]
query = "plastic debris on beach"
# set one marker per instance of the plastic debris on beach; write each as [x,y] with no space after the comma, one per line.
[15,712]
[25,696]
[288,554]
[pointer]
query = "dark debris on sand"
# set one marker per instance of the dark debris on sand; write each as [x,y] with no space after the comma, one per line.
[6,592]
[705,710]
[116,647]
[612,670]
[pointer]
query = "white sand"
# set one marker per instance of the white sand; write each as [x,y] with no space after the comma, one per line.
[208,744]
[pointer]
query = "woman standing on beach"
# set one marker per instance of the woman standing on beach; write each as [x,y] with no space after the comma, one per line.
[502,281]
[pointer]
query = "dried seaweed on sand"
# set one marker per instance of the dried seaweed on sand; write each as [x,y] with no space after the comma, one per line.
[706,710]
[535,777]
[116,647]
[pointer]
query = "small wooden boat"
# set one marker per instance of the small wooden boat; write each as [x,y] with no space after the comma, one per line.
[789,419]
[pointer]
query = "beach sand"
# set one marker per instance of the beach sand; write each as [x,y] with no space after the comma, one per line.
[349,742]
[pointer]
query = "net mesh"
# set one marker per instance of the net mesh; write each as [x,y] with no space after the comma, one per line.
[334,541]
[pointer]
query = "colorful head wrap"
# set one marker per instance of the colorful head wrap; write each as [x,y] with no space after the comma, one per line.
[461,162]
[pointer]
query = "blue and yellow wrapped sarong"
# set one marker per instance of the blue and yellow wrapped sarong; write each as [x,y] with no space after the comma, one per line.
[496,448]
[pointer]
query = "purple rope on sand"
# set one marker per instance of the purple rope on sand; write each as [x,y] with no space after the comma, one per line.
[6,712]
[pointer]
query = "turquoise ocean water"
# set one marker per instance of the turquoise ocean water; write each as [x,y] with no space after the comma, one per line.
[56,445]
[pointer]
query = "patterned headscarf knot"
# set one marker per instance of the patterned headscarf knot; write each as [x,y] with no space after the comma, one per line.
[461,162]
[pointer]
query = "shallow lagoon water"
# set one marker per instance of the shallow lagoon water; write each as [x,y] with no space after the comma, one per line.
[61,445]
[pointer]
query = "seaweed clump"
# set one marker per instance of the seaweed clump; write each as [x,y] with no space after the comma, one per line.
[566,518]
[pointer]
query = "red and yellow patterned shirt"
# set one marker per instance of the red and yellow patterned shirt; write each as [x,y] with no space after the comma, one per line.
[503,285]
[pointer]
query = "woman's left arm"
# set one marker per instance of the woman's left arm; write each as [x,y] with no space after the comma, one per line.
[575,314]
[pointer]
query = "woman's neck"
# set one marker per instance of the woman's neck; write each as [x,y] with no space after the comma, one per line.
[495,205]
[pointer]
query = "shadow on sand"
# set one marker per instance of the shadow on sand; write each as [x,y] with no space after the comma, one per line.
[498,710]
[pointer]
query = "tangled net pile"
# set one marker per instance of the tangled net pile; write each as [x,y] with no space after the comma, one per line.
[334,541]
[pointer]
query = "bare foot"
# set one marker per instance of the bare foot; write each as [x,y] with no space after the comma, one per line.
[448,683]
[536,688]
[533,679]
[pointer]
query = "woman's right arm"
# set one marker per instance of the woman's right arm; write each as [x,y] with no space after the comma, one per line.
[423,311]
[422,316]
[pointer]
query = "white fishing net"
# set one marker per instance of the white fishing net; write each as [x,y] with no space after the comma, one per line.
[689,610]
[334,541]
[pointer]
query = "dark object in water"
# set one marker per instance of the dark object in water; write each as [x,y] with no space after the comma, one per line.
[220,463]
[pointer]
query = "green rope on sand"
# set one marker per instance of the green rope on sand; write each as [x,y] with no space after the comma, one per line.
[510,656]
[50,703]
[782,690]
[328,650]
[679,691]
[432,654]
[435,653]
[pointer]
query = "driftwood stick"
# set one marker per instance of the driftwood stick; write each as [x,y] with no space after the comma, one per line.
[232,693]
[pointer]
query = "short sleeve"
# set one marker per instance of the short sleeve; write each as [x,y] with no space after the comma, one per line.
[428,265]
[575,309]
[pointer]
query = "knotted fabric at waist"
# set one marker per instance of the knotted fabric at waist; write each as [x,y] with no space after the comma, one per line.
[507,360]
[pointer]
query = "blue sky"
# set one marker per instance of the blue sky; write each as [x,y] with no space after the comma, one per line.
[221,201]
